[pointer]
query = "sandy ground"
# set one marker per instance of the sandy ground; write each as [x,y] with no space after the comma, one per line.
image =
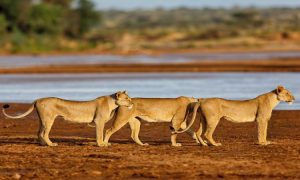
[78,157]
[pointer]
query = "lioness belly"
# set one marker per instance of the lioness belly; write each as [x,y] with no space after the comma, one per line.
[160,109]
[239,119]
[78,119]
[238,111]
[152,119]
[76,114]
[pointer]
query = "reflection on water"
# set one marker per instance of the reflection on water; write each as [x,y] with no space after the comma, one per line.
[26,88]
[23,61]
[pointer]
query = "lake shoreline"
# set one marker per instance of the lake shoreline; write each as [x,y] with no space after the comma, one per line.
[154,52]
[275,65]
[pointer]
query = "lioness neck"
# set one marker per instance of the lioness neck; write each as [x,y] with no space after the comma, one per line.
[113,104]
[273,100]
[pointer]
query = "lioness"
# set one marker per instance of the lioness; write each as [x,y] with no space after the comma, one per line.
[98,111]
[174,110]
[258,109]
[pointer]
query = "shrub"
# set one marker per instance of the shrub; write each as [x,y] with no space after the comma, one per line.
[46,18]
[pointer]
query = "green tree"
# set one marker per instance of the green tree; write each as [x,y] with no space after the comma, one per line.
[10,8]
[247,18]
[3,24]
[46,18]
[16,12]
[63,3]
[88,16]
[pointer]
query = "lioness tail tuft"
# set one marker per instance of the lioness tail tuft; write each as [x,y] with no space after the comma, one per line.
[5,106]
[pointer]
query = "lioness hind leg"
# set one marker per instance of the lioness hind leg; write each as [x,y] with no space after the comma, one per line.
[189,132]
[45,127]
[192,134]
[135,125]
[199,134]
[41,134]
[41,131]
[211,126]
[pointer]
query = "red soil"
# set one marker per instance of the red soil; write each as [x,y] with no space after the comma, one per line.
[77,155]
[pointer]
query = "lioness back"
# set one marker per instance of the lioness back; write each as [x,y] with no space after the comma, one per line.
[232,110]
[159,105]
[78,111]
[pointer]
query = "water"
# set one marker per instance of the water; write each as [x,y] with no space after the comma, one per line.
[26,88]
[26,61]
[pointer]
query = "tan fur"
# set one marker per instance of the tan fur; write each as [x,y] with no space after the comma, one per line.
[174,110]
[98,111]
[258,109]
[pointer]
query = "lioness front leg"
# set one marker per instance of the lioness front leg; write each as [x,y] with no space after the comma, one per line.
[176,124]
[135,125]
[262,125]
[122,118]
[100,122]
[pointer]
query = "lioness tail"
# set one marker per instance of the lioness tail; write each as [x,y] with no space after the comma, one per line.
[92,124]
[195,109]
[19,116]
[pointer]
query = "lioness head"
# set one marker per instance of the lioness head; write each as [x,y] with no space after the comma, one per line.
[284,95]
[122,99]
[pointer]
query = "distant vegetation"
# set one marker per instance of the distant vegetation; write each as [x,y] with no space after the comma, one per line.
[75,25]
[45,25]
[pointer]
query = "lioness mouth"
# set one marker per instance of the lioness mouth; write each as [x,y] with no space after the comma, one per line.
[290,102]
[130,106]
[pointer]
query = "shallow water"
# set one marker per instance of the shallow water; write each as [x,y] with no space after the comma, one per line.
[26,88]
[25,61]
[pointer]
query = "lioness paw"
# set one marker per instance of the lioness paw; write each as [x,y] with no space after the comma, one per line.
[215,144]
[204,143]
[53,144]
[265,143]
[195,136]
[103,144]
[176,145]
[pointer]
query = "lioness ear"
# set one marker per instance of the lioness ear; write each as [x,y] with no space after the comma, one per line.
[279,89]
[118,94]
[125,92]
